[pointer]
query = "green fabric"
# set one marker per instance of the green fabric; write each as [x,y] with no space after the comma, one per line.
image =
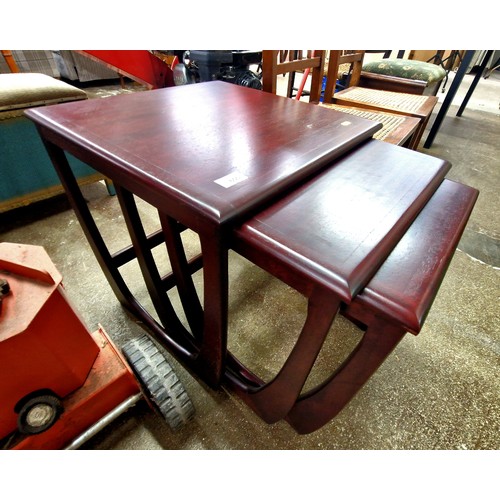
[406,68]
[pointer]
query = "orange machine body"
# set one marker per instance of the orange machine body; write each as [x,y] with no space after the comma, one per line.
[44,344]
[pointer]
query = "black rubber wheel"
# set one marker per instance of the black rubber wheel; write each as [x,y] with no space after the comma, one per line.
[159,381]
[39,414]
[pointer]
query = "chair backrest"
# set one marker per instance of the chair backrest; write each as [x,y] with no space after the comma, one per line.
[351,62]
[281,62]
[356,77]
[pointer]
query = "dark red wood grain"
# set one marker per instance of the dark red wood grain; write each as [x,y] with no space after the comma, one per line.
[404,288]
[396,299]
[338,228]
[314,201]
[171,145]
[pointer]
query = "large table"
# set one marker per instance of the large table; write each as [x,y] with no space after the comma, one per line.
[205,156]
[210,157]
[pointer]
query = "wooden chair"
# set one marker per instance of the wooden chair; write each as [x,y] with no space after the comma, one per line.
[277,62]
[396,129]
[355,95]
[354,60]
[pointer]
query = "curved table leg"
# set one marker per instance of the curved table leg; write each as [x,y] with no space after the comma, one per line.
[273,400]
[152,278]
[210,326]
[318,406]
[178,340]
[183,279]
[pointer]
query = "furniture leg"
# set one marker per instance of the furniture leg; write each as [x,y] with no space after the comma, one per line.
[318,406]
[291,76]
[417,136]
[449,98]
[152,278]
[474,83]
[212,356]
[182,274]
[206,359]
[273,400]
[87,222]
[181,345]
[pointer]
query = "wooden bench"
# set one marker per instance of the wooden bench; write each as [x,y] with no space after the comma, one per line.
[380,262]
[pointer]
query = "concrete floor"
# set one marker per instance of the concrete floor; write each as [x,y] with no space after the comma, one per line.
[437,391]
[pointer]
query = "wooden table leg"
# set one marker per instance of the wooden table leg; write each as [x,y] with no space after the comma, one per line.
[205,356]
[273,400]
[146,261]
[178,341]
[213,350]
[318,406]
[182,274]
[87,223]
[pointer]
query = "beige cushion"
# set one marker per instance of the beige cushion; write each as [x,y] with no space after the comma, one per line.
[26,90]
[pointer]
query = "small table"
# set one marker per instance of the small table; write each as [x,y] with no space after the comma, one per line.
[206,156]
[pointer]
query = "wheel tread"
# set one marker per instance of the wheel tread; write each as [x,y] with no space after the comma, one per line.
[160,382]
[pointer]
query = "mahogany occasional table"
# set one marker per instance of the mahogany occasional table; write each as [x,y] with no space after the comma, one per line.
[205,156]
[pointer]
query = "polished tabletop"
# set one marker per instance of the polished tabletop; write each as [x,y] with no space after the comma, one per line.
[339,227]
[215,149]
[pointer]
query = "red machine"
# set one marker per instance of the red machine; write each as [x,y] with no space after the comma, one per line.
[57,380]
[139,65]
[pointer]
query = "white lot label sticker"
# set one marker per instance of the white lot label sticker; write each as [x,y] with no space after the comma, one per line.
[231,179]
[345,124]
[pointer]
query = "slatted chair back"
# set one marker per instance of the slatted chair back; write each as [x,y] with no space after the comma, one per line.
[283,62]
[344,66]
